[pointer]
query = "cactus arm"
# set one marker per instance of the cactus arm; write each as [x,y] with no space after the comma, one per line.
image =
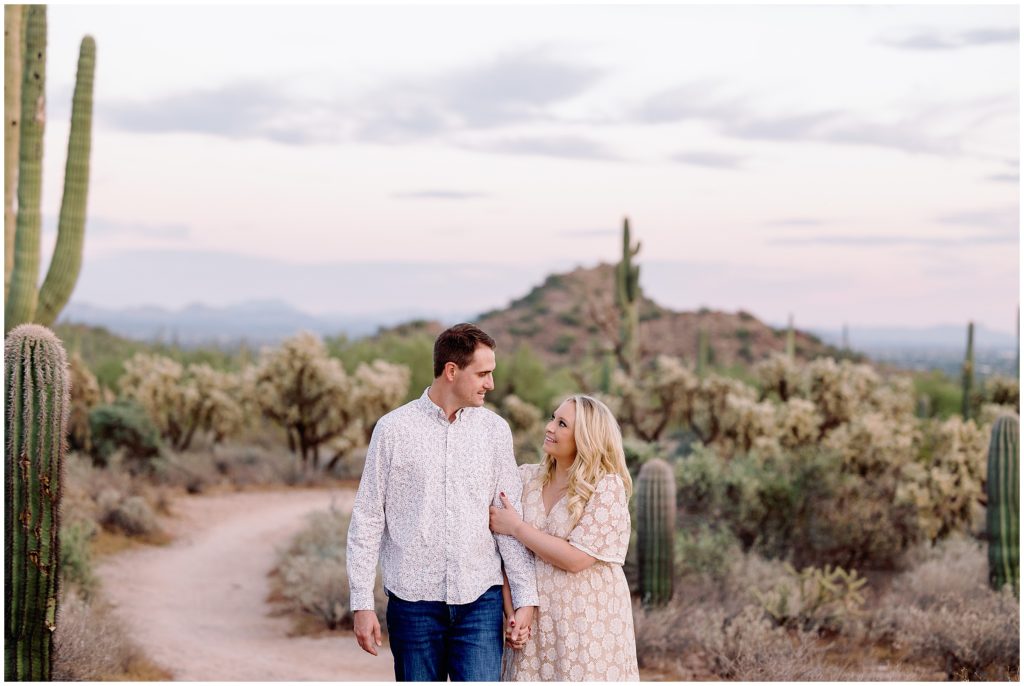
[67,255]
[20,304]
[13,60]
[37,394]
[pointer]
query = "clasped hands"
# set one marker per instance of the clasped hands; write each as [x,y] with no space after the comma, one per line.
[519,627]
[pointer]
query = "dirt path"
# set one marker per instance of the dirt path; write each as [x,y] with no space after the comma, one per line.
[198,606]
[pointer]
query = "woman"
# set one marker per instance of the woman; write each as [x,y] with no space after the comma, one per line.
[576,521]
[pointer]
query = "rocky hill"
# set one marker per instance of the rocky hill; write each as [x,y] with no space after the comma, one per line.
[573,316]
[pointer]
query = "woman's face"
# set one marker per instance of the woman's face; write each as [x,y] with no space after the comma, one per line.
[559,434]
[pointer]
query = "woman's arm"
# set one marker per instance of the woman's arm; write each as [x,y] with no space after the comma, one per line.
[553,550]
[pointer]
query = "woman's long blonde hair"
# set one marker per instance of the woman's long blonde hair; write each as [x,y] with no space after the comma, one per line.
[598,453]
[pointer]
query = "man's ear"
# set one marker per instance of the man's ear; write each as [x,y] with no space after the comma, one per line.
[449,370]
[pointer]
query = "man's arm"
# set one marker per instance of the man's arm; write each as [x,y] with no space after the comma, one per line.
[519,565]
[366,526]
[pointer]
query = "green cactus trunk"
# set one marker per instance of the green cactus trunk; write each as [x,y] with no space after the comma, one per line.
[20,305]
[24,301]
[37,395]
[67,254]
[1003,512]
[791,340]
[656,518]
[967,381]
[702,352]
[12,114]
[627,296]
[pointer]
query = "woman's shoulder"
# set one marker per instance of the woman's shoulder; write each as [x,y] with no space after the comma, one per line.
[529,472]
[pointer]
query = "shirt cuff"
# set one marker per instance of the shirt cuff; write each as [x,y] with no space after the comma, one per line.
[523,597]
[361,600]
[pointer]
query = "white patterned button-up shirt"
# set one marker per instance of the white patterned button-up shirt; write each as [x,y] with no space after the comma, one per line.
[422,506]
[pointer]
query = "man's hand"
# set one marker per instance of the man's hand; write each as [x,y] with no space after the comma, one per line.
[367,630]
[520,627]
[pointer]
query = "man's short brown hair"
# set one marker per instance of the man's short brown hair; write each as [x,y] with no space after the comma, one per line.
[457,345]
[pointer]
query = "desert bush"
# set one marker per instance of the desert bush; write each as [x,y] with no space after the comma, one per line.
[76,570]
[414,351]
[705,551]
[814,599]
[123,426]
[183,401]
[312,574]
[527,424]
[130,515]
[942,609]
[90,644]
[85,395]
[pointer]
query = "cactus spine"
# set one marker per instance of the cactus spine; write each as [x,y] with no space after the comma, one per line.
[38,399]
[23,301]
[1003,511]
[656,515]
[968,373]
[12,113]
[627,295]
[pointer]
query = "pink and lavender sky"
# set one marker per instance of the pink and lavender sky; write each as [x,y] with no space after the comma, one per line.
[853,164]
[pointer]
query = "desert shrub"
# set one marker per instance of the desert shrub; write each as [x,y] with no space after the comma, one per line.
[1001,390]
[312,574]
[130,515]
[942,609]
[527,426]
[85,395]
[705,551]
[414,351]
[814,599]
[124,426]
[942,392]
[76,568]
[90,644]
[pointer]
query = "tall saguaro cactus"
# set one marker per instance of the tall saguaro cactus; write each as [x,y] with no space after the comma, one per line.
[12,131]
[702,352]
[967,381]
[1003,511]
[24,300]
[627,296]
[656,519]
[790,339]
[37,396]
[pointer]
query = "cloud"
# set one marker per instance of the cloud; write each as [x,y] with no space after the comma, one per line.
[734,116]
[715,160]
[439,195]
[588,233]
[571,147]
[513,88]
[939,40]
[852,240]
[98,225]
[1004,178]
[236,111]
[1004,218]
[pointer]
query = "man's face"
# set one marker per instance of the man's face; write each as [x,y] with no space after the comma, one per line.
[473,382]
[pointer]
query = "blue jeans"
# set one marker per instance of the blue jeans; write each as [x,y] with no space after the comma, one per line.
[434,641]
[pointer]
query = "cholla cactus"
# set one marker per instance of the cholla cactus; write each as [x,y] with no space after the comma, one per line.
[839,390]
[298,386]
[778,374]
[1002,390]
[798,423]
[182,402]
[379,388]
[85,395]
[521,415]
[660,397]
[814,598]
[711,400]
[947,487]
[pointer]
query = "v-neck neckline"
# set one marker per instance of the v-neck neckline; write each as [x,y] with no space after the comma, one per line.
[543,506]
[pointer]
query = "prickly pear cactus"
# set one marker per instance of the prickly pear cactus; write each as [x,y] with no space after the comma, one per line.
[656,518]
[1003,513]
[37,397]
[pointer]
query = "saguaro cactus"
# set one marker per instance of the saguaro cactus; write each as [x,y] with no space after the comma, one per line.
[12,132]
[1003,512]
[37,396]
[656,518]
[627,295]
[23,302]
[702,352]
[967,381]
[791,339]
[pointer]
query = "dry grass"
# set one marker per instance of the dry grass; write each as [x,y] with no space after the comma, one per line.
[91,645]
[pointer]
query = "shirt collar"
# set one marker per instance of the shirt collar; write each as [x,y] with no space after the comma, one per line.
[432,409]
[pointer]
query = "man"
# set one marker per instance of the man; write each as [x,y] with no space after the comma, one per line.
[433,468]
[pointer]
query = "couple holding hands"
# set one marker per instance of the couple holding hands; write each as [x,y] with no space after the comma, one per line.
[493,572]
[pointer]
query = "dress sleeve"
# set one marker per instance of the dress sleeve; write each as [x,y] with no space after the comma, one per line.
[603,530]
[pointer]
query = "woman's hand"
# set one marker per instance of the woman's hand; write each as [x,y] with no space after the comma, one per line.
[505,521]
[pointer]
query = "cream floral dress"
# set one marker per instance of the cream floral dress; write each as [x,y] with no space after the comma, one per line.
[583,630]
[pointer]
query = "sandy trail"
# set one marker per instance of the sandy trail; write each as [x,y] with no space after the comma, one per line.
[198,606]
